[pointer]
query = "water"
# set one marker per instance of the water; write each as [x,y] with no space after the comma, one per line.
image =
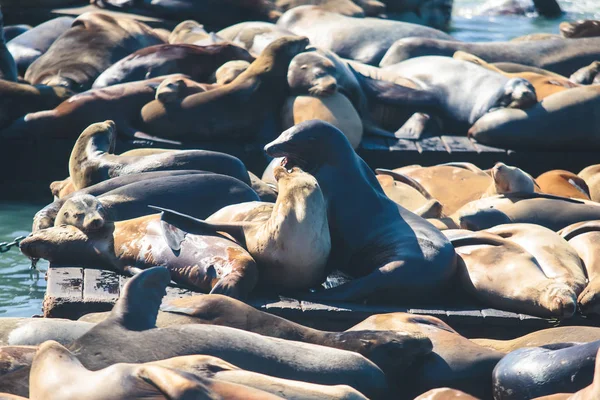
[22,290]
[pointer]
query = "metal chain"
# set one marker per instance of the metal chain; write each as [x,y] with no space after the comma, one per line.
[6,246]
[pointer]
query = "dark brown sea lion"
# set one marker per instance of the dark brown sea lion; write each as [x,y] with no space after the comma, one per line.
[113,38]
[91,160]
[591,175]
[56,374]
[198,62]
[291,243]
[237,109]
[28,47]
[563,183]
[454,362]
[194,192]
[390,252]
[120,103]
[131,330]
[545,8]
[8,68]
[580,29]
[361,39]
[208,263]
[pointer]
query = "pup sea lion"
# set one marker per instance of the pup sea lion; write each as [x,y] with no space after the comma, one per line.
[56,374]
[561,334]
[580,29]
[198,62]
[208,262]
[446,77]
[238,108]
[91,160]
[388,250]
[570,111]
[563,183]
[504,275]
[254,36]
[540,371]
[64,64]
[361,39]
[454,362]
[591,175]
[188,32]
[194,192]
[29,46]
[291,244]
[130,328]
[559,56]
[175,88]
[227,72]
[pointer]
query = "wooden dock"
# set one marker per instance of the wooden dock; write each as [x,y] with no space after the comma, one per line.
[74,291]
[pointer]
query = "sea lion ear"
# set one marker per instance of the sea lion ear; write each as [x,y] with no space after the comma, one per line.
[137,308]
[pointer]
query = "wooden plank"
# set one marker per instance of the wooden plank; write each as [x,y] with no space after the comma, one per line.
[63,290]
[403,145]
[481,148]
[100,286]
[431,144]
[459,144]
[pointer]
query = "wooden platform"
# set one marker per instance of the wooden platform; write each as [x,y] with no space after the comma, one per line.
[73,292]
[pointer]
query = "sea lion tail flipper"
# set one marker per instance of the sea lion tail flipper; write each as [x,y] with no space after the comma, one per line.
[137,308]
[431,209]
[400,177]
[193,225]
[459,239]
[175,384]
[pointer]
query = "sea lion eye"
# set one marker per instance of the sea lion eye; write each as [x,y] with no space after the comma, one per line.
[66,214]
[304,67]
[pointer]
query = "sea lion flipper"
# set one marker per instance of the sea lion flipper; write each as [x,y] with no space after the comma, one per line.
[416,127]
[173,235]
[370,129]
[577,229]
[174,384]
[407,180]
[137,308]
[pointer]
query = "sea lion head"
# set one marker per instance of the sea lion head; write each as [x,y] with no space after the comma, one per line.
[516,93]
[82,211]
[294,179]
[281,51]
[580,29]
[170,90]
[310,145]
[560,300]
[589,299]
[102,134]
[65,244]
[185,28]
[511,179]
[312,73]
[227,72]
[62,188]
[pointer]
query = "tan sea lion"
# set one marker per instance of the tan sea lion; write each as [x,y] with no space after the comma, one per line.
[556,258]
[563,183]
[544,85]
[291,244]
[583,237]
[238,108]
[454,362]
[254,36]
[409,194]
[544,337]
[587,75]
[580,29]
[175,89]
[209,263]
[591,176]
[72,62]
[507,179]
[445,394]
[34,331]
[504,275]
[188,32]
[343,7]
[57,374]
[335,109]
[91,160]
[227,72]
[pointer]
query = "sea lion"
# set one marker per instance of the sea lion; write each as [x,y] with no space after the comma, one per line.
[559,56]
[56,375]
[7,396]
[544,8]
[64,63]
[503,275]
[335,109]
[409,194]
[570,111]
[227,72]
[343,7]
[516,68]
[198,62]
[580,29]
[291,244]
[34,331]
[552,212]
[556,258]
[540,371]
[131,329]
[18,99]
[28,47]
[390,252]
[254,36]
[454,362]
[196,193]
[544,86]
[188,32]
[238,108]
[361,39]
[445,77]
[207,262]
[591,175]
[563,183]
[507,179]
[91,160]
[445,394]
[536,36]
[12,31]
[561,334]
[175,88]
[583,238]
[587,75]
[8,68]
[120,103]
